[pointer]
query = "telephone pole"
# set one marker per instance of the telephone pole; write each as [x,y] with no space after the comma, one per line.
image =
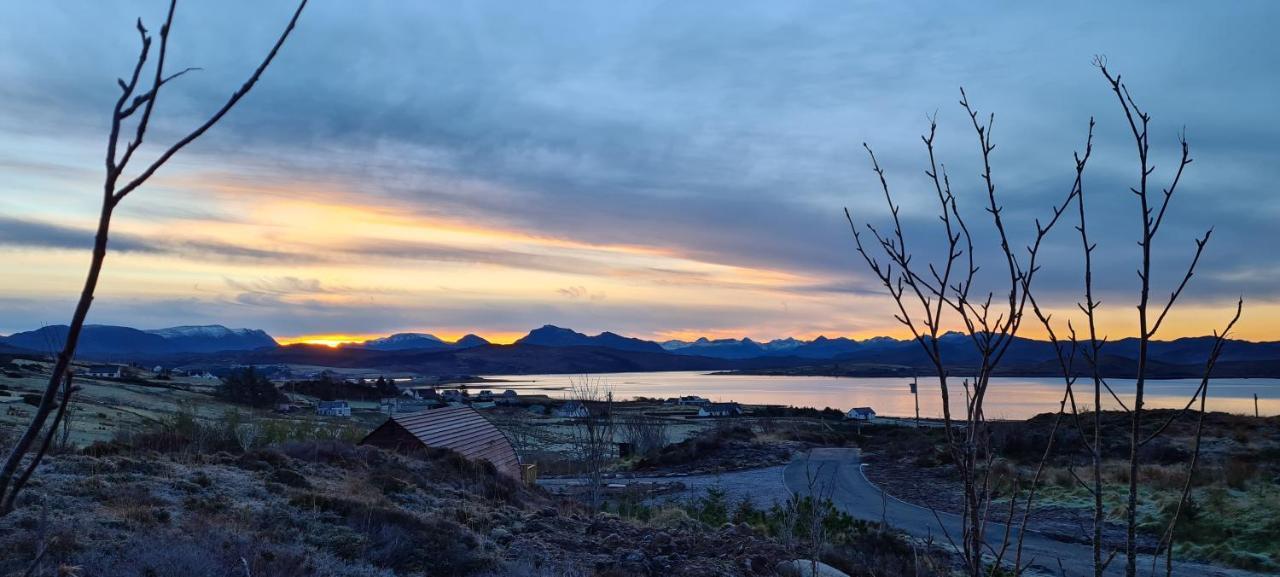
[915,392]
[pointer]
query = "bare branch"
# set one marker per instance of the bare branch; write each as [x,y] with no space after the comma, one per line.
[235,97]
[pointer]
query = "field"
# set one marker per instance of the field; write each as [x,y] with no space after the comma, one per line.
[104,409]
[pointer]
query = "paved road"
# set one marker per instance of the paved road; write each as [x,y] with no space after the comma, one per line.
[838,472]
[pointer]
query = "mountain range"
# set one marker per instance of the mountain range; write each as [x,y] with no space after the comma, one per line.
[555,349]
[103,341]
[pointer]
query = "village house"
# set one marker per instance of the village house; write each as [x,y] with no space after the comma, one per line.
[105,371]
[460,429]
[861,414]
[694,400]
[720,410]
[333,409]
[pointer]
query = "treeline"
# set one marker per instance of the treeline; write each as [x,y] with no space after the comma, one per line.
[247,386]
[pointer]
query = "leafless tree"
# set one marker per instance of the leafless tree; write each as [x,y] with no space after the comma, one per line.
[645,433]
[247,434]
[136,99]
[1153,209]
[929,295]
[593,433]
[923,293]
[820,490]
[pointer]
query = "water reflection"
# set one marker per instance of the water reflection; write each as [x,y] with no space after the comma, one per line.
[1008,398]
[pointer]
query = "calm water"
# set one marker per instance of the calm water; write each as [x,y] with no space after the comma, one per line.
[1008,398]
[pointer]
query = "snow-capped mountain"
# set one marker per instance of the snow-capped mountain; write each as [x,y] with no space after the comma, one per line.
[420,341]
[213,338]
[404,342]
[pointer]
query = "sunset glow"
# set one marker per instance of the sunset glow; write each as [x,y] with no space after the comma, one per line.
[643,204]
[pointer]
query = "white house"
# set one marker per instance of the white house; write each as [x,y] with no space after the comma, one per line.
[105,371]
[333,409]
[720,410]
[861,414]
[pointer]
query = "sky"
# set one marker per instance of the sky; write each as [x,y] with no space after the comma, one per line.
[657,169]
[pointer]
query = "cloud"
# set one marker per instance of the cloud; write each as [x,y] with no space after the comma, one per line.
[580,293]
[721,134]
[15,232]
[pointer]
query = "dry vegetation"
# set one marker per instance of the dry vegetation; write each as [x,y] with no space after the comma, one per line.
[184,498]
[1232,516]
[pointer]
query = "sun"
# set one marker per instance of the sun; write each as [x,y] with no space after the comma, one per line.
[331,341]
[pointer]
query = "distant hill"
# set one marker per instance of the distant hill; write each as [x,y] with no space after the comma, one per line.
[553,336]
[419,341]
[404,341]
[518,358]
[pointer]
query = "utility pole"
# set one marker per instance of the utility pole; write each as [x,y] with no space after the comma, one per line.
[915,392]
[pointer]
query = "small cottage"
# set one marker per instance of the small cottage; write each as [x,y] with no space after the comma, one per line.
[460,429]
[105,371]
[333,409]
[861,414]
[720,410]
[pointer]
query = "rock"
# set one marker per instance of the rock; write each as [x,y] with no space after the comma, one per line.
[500,535]
[612,540]
[548,512]
[805,568]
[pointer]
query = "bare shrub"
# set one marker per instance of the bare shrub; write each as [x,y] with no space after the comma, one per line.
[645,433]
[593,434]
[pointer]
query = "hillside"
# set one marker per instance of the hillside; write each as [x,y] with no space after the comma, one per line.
[480,360]
[157,507]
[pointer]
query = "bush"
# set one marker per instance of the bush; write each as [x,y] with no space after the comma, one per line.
[1238,472]
[401,540]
